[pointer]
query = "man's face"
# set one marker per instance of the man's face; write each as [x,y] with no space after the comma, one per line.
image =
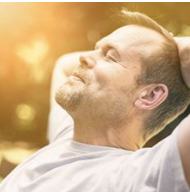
[108,75]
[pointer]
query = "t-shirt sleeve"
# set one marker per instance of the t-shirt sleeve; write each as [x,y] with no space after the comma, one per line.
[60,124]
[156,169]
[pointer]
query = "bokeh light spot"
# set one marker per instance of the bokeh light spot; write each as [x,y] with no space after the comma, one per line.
[25,112]
[34,52]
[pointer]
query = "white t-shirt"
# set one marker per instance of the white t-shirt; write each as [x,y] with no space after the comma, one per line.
[68,166]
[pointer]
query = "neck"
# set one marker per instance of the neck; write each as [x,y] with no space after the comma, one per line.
[125,135]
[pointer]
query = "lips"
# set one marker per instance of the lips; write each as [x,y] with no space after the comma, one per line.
[78,76]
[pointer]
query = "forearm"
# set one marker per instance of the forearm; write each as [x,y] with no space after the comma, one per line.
[183,44]
[184,145]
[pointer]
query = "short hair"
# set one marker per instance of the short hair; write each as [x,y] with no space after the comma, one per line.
[161,67]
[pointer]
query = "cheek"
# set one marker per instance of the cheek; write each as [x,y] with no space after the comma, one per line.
[107,73]
[111,77]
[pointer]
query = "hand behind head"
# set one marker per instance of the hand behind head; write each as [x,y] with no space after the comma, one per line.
[183,44]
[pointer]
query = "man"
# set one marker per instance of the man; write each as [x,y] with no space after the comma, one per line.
[119,96]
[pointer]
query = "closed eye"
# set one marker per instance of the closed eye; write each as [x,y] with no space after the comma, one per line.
[109,51]
[110,57]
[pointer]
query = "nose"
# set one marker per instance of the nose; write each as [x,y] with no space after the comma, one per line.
[87,59]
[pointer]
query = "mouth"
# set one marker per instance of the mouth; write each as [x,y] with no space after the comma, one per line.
[77,76]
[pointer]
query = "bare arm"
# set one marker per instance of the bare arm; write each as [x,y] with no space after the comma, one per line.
[183,44]
[64,67]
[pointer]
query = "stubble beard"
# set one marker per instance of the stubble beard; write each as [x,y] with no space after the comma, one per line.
[77,99]
[69,96]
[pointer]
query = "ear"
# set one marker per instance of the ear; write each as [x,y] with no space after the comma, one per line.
[151,96]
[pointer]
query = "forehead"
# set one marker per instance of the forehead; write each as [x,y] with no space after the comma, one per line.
[131,36]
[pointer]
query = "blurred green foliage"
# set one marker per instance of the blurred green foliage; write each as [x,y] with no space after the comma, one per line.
[35,35]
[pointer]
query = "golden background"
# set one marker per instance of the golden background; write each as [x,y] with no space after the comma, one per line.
[32,37]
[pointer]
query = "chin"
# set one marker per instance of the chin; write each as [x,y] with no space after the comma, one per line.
[69,97]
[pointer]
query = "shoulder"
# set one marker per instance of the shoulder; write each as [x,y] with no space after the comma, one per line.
[159,168]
